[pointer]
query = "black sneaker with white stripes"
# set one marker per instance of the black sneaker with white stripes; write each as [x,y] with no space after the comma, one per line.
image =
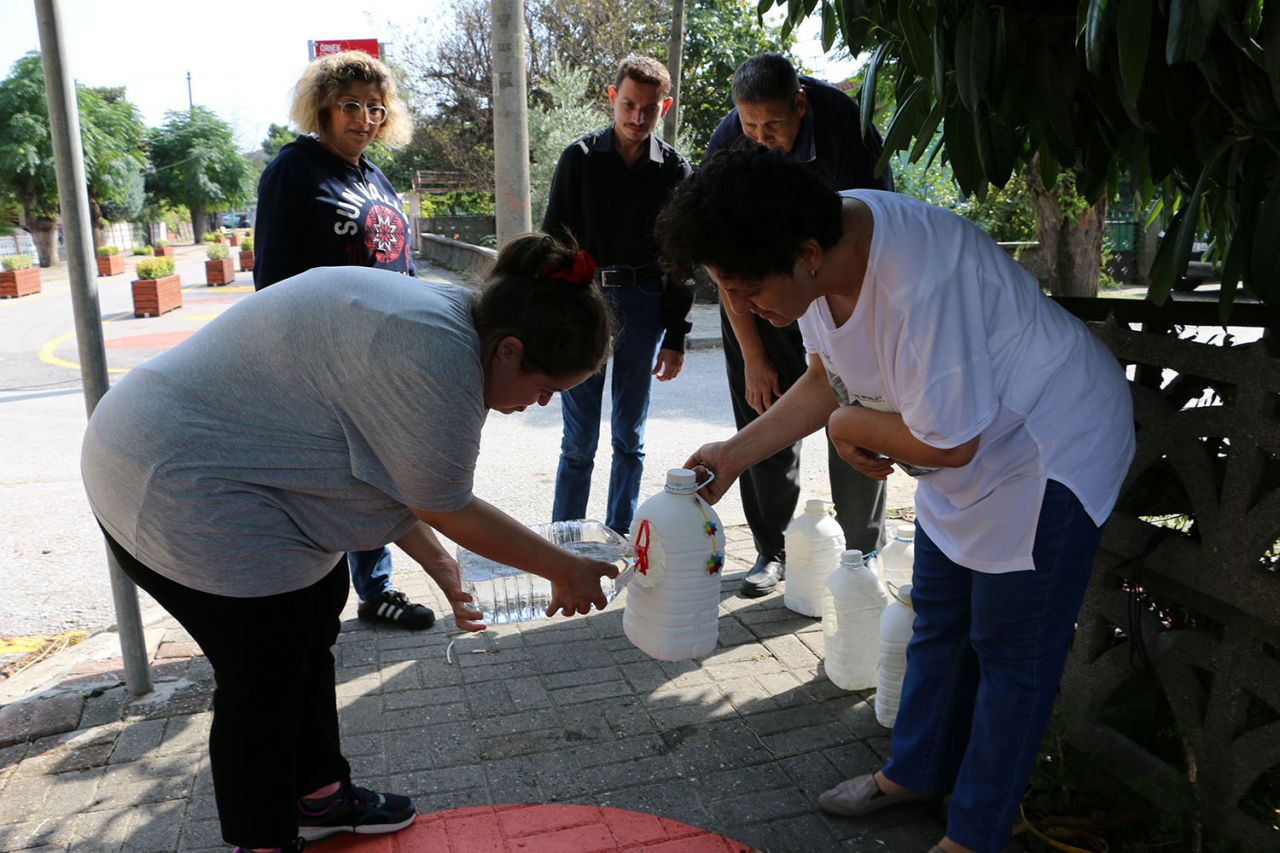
[395,607]
[353,809]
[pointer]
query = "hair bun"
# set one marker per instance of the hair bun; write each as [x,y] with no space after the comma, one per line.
[581,271]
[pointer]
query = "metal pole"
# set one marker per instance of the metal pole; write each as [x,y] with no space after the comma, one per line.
[191,104]
[510,119]
[68,157]
[675,57]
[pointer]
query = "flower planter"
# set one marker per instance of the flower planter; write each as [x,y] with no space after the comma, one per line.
[155,296]
[219,272]
[110,264]
[164,251]
[15,283]
[246,260]
[234,239]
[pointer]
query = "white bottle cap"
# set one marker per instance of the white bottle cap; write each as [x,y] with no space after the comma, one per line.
[815,506]
[903,594]
[904,531]
[851,557]
[681,481]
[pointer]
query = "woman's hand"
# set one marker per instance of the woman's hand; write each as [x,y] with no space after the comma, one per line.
[713,458]
[760,383]
[578,586]
[444,570]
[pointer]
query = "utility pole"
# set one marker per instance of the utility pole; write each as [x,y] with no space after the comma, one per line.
[675,57]
[68,158]
[510,119]
[191,104]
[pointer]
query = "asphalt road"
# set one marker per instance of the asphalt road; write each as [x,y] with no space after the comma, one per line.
[52,563]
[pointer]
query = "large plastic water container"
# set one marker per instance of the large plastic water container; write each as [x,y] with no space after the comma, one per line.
[505,594]
[895,634]
[673,599]
[898,555]
[814,541]
[851,623]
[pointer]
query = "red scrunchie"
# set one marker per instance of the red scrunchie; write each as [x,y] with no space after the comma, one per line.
[581,271]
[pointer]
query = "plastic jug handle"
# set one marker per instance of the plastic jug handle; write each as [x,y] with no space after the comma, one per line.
[711,478]
[892,589]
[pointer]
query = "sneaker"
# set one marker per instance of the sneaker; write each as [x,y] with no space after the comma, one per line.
[394,606]
[353,809]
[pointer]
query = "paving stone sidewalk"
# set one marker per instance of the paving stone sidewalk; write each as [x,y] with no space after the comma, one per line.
[563,710]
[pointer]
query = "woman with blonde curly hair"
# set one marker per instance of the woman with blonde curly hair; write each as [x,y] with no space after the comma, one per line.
[322,203]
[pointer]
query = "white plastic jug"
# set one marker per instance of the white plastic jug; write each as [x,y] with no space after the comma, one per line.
[895,633]
[851,623]
[673,600]
[814,541]
[898,555]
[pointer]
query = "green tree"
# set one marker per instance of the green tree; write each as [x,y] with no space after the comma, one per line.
[1183,94]
[278,136]
[115,162]
[719,35]
[566,113]
[111,135]
[196,164]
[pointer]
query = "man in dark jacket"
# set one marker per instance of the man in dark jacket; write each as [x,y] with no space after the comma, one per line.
[818,125]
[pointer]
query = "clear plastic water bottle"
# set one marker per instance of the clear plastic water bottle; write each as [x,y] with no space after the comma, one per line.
[673,600]
[895,634]
[851,623]
[505,594]
[814,541]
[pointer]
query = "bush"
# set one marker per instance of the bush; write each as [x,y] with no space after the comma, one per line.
[246,243]
[217,252]
[151,268]
[15,262]
[210,236]
[143,250]
[107,251]
[162,244]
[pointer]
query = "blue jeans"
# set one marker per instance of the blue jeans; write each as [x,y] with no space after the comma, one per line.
[982,671]
[635,350]
[370,572]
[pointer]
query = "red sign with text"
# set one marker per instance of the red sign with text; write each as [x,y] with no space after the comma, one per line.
[326,46]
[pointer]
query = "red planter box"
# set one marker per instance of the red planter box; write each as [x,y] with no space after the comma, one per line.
[110,264]
[164,251]
[153,297]
[234,239]
[17,283]
[219,272]
[246,261]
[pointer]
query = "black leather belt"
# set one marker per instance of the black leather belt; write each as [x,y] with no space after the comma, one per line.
[621,275]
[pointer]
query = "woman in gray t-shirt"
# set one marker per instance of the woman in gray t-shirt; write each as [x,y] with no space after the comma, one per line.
[338,410]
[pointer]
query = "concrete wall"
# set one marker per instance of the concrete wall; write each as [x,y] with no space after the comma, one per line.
[454,254]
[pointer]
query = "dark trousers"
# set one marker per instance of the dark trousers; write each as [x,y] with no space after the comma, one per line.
[771,488]
[275,709]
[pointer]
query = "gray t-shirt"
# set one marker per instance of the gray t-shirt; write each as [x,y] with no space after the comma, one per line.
[303,422]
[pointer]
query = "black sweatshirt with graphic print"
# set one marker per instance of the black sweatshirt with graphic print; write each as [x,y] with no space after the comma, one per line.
[317,210]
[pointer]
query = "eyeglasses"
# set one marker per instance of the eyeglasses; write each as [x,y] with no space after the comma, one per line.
[352,109]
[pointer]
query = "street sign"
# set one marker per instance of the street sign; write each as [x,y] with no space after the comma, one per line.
[321,47]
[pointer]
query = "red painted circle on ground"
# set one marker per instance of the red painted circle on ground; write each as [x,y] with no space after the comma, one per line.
[523,828]
[155,340]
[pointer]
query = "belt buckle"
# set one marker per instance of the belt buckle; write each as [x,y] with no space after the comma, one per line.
[615,278]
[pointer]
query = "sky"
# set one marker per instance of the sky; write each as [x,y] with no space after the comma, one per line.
[243,58]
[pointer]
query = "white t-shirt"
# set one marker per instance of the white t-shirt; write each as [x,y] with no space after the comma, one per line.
[956,336]
[301,423]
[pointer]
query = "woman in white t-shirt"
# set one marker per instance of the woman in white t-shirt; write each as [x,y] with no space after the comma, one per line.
[931,348]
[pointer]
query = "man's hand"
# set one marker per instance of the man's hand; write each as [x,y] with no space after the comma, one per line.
[444,570]
[760,383]
[578,587]
[669,364]
[713,458]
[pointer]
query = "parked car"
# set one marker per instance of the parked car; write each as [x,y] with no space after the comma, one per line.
[234,219]
[1198,272]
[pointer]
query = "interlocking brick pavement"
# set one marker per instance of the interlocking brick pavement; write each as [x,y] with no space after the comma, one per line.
[562,711]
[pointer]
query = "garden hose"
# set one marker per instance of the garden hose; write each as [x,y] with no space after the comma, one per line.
[1099,844]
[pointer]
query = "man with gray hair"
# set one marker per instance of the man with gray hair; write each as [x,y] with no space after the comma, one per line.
[818,125]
